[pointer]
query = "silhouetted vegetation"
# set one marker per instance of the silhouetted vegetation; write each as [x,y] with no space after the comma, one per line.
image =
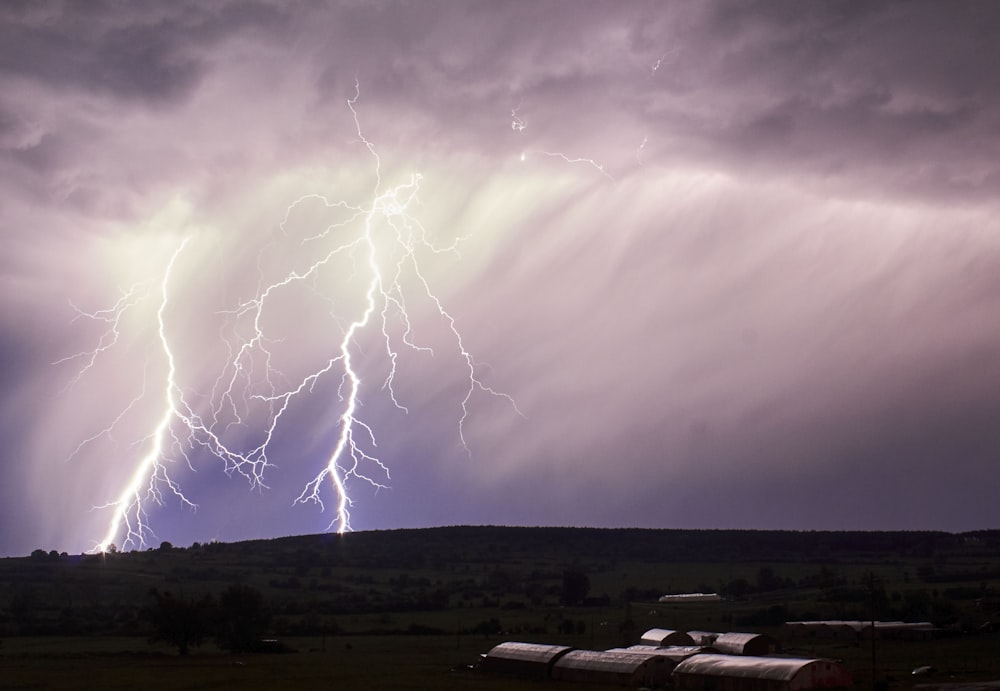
[575,586]
[463,579]
[241,618]
[452,593]
[181,622]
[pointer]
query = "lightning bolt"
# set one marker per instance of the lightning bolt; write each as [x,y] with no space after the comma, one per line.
[129,515]
[516,123]
[111,316]
[638,151]
[251,396]
[670,54]
[555,154]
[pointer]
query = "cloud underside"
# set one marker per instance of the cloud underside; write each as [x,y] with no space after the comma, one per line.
[735,265]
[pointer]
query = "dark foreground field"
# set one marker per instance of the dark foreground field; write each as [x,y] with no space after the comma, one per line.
[370,662]
[387,662]
[415,608]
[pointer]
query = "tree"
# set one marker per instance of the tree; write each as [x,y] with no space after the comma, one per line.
[183,623]
[241,618]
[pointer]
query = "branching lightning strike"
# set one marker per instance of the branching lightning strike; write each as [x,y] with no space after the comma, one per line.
[129,513]
[555,154]
[245,384]
[518,125]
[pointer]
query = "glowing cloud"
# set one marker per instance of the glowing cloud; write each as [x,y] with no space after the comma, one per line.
[714,261]
[380,241]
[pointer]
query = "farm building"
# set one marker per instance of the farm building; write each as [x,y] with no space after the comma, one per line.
[803,629]
[687,598]
[522,659]
[673,653]
[745,644]
[902,630]
[747,673]
[853,630]
[703,637]
[663,637]
[606,667]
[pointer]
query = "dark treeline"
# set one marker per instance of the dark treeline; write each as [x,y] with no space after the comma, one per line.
[425,545]
[487,575]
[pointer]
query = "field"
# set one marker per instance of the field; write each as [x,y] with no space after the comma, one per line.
[415,608]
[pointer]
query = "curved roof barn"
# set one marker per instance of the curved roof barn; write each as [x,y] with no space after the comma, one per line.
[662,637]
[745,644]
[607,667]
[522,659]
[750,673]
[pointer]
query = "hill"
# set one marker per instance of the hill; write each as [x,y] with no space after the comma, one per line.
[307,580]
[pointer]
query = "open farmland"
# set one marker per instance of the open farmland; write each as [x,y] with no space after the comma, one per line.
[414,608]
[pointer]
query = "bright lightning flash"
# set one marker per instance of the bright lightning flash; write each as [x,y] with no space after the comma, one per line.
[382,243]
[555,154]
[129,513]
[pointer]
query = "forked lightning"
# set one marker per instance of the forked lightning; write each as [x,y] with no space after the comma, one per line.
[384,249]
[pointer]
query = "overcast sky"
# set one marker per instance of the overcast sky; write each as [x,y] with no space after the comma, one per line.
[686,265]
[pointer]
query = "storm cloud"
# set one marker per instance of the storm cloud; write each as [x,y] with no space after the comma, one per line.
[737,264]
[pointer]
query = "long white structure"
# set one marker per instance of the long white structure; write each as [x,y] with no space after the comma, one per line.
[747,673]
[681,598]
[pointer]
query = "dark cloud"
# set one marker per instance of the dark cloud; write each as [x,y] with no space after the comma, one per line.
[735,262]
[76,52]
[142,52]
[863,95]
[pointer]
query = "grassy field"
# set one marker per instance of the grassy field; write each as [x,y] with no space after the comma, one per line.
[368,662]
[391,662]
[415,608]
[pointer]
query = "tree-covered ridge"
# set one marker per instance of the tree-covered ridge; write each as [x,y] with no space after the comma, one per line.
[480,578]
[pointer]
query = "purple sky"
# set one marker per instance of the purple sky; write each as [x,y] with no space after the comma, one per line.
[737,264]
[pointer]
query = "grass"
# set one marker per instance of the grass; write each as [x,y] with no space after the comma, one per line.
[371,588]
[364,662]
[395,662]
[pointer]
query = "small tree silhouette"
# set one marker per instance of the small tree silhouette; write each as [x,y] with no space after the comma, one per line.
[179,622]
[241,618]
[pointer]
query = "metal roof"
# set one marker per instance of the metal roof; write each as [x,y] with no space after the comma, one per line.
[527,652]
[777,668]
[674,653]
[745,643]
[666,636]
[679,598]
[862,624]
[734,638]
[606,660]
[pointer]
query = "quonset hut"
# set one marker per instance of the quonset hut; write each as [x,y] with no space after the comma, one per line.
[530,660]
[690,598]
[745,644]
[748,673]
[606,667]
[664,637]
[673,653]
[855,630]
